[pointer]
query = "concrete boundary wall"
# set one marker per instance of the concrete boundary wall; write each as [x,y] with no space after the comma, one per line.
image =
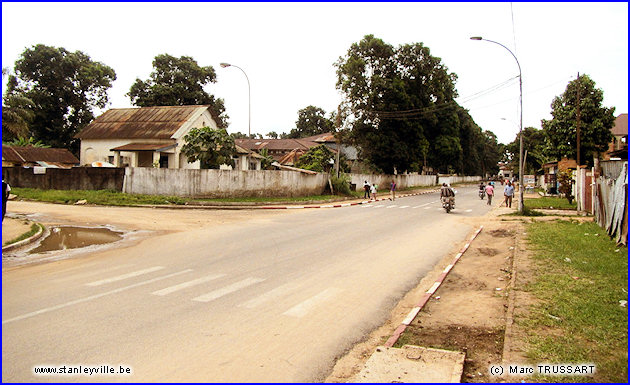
[458,179]
[222,183]
[384,181]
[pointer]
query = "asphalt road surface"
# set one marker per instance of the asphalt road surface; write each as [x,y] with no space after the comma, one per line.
[274,296]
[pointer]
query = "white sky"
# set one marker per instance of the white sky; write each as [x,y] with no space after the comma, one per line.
[288,49]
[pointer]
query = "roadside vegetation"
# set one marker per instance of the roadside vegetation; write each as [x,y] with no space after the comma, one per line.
[550,203]
[34,229]
[581,282]
[116,198]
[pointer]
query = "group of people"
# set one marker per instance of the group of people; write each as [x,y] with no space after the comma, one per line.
[508,192]
[369,191]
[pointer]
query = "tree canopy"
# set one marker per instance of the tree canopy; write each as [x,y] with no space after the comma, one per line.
[534,144]
[211,147]
[178,82]
[60,88]
[311,121]
[401,110]
[595,122]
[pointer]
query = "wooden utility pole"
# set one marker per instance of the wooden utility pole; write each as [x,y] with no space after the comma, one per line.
[577,125]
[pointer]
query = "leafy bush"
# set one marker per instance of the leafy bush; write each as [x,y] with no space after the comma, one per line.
[341,184]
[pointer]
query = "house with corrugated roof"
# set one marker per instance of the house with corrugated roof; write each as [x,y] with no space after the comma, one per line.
[29,156]
[618,147]
[150,137]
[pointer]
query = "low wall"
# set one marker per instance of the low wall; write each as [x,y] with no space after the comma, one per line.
[76,178]
[384,181]
[458,179]
[222,183]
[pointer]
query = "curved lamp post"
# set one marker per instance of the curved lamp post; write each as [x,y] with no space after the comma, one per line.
[249,97]
[521,205]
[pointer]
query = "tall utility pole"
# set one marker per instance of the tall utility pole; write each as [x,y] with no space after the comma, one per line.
[577,124]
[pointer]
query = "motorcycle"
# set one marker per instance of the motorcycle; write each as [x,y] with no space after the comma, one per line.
[482,193]
[448,203]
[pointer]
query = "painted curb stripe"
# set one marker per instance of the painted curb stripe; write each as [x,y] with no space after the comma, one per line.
[414,312]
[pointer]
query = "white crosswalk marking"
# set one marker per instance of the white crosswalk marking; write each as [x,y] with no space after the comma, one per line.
[379,206]
[188,284]
[403,207]
[391,206]
[92,297]
[270,295]
[125,276]
[302,309]
[227,290]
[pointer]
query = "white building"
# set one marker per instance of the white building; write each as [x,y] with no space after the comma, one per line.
[149,137]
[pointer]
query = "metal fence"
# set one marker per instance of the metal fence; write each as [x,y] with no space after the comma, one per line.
[611,201]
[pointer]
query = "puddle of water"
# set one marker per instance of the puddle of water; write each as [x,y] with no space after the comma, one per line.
[62,238]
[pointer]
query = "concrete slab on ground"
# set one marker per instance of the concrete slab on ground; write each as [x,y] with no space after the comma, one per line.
[412,364]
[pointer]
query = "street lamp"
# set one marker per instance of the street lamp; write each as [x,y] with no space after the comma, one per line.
[521,205]
[249,96]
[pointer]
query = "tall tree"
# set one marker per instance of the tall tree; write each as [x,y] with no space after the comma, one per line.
[63,87]
[211,147]
[311,121]
[399,100]
[178,82]
[534,144]
[595,122]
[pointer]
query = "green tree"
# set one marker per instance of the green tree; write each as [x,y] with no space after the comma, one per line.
[267,160]
[534,144]
[272,135]
[565,179]
[17,115]
[311,121]
[595,122]
[400,99]
[63,87]
[317,158]
[178,82]
[211,147]
[25,142]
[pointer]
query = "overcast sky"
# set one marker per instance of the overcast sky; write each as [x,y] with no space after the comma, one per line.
[288,49]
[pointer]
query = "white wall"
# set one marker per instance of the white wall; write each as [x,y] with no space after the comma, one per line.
[222,183]
[384,181]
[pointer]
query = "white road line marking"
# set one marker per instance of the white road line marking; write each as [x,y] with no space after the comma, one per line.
[124,276]
[427,208]
[391,206]
[302,309]
[379,206]
[425,204]
[227,290]
[90,273]
[403,207]
[270,295]
[96,296]
[188,284]
[469,211]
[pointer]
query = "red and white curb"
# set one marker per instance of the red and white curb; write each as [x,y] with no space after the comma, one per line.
[427,295]
[342,204]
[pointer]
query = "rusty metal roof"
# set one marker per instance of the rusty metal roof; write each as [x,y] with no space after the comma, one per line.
[276,144]
[139,123]
[32,154]
[621,125]
[144,147]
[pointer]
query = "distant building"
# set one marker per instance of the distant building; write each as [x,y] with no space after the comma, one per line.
[29,156]
[618,148]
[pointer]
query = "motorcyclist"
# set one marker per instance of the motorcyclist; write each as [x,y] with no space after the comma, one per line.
[446,192]
[482,190]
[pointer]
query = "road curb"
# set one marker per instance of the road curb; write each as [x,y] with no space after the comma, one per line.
[26,241]
[429,293]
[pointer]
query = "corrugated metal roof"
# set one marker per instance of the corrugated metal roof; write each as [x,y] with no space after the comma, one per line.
[34,154]
[143,147]
[139,123]
[621,125]
[276,144]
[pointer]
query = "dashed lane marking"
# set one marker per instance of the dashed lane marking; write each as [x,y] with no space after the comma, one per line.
[302,309]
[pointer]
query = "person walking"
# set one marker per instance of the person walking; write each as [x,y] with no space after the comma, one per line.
[373,191]
[489,192]
[366,190]
[392,189]
[508,192]
[5,196]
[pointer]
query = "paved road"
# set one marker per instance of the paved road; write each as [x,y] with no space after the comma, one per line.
[276,298]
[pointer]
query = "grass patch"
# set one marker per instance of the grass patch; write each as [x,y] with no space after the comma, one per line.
[581,275]
[527,212]
[550,203]
[116,198]
[34,229]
